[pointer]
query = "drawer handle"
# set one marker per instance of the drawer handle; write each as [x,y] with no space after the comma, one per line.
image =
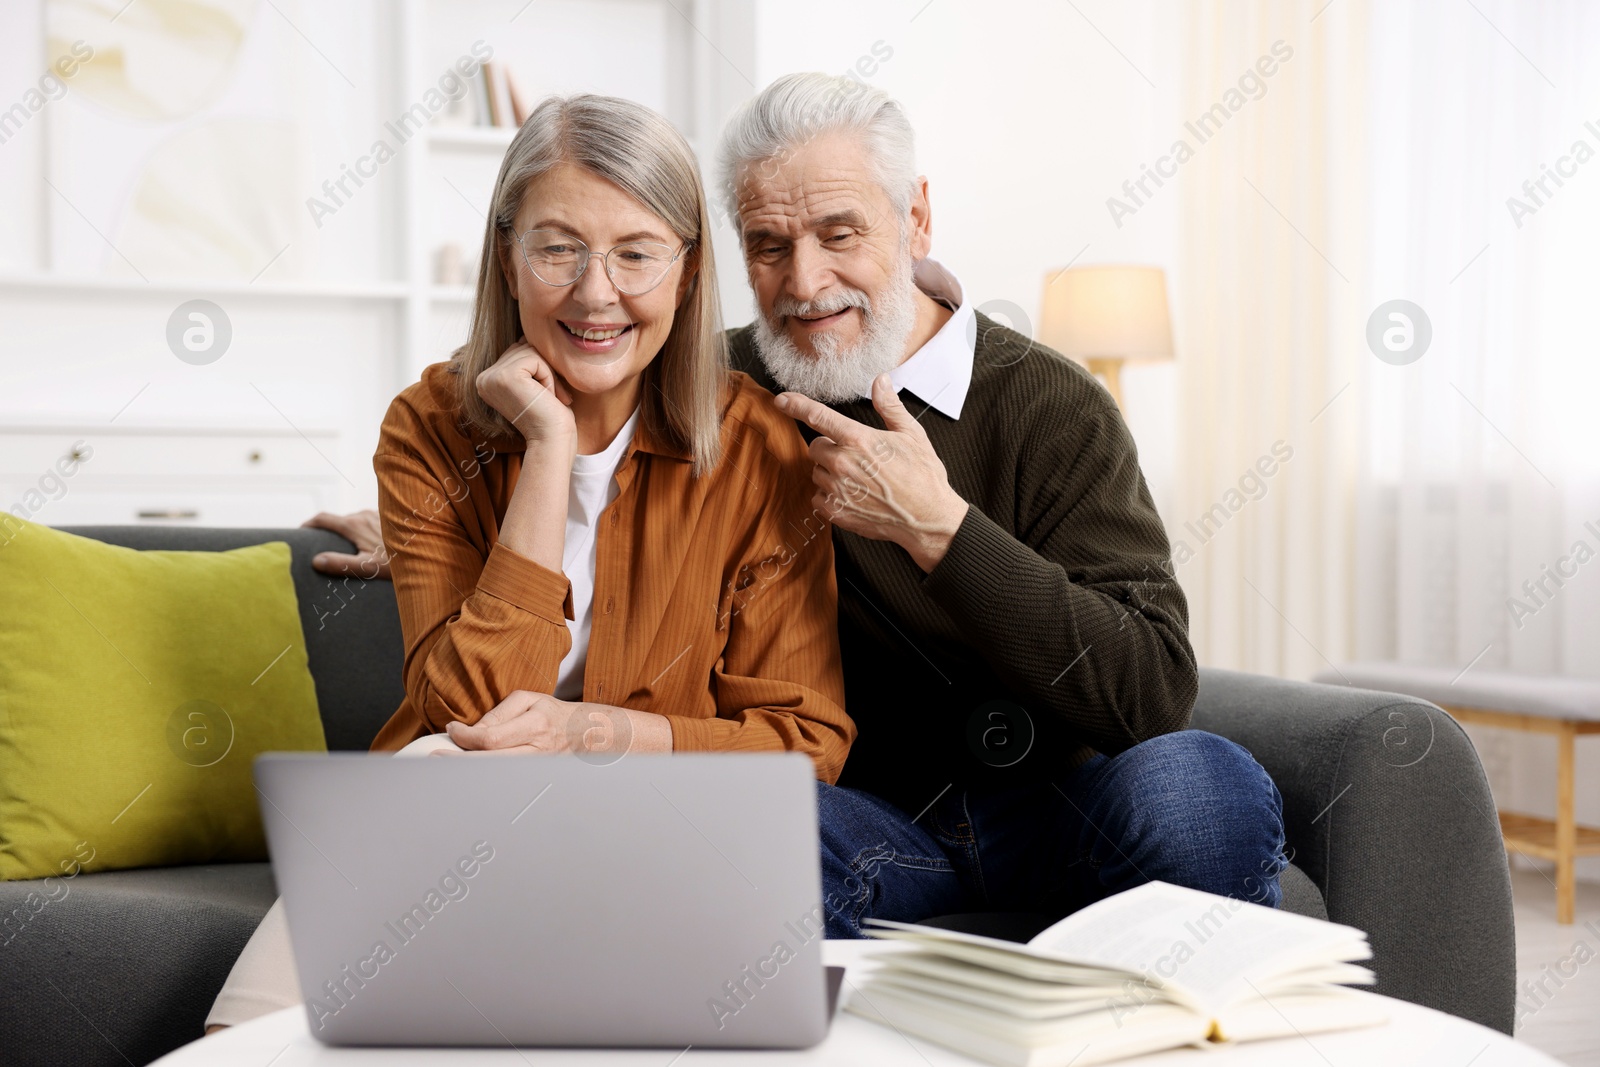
[169,513]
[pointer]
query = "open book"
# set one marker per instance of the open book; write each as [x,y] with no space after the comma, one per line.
[1153,968]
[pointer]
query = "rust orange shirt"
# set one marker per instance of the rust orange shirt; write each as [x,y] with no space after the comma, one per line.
[714,597]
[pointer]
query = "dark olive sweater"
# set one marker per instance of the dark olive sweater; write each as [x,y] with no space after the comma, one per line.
[1056,597]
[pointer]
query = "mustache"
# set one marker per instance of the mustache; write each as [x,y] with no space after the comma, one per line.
[826,304]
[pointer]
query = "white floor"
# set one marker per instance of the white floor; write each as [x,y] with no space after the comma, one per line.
[1563,1018]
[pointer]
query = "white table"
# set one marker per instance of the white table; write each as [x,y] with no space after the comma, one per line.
[1413,1036]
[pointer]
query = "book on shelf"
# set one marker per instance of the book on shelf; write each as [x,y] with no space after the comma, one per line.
[516,99]
[1153,968]
[491,93]
[500,96]
[497,97]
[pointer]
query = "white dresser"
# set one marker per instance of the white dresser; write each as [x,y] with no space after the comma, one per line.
[70,475]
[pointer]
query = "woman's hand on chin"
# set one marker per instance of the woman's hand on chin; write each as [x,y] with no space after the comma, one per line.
[527,722]
[522,387]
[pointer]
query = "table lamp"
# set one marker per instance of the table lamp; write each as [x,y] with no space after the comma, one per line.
[1104,316]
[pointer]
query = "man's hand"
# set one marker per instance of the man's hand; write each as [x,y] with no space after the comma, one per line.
[886,485]
[371,560]
[527,722]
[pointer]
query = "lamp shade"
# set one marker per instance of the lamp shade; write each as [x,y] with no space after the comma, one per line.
[1107,312]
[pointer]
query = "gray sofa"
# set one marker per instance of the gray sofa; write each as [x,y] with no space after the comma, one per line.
[1387,808]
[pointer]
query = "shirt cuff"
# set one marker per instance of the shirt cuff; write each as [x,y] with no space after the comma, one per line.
[522,583]
[692,734]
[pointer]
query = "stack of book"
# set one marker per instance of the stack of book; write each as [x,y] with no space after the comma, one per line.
[1154,968]
[494,97]
[498,99]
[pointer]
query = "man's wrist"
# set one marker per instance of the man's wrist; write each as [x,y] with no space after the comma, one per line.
[929,544]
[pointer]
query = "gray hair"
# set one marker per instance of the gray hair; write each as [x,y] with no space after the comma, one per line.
[641,153]
[798,108]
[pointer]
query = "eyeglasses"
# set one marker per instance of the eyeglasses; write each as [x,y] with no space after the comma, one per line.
[559,259]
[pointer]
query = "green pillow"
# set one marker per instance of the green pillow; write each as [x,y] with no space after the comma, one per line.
[135,690]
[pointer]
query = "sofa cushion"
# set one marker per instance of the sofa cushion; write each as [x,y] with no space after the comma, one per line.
[123,966]
[351,626]
[137,687]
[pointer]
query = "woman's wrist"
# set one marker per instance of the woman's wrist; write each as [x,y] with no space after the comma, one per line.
[552,445]
[649,732]
[535,522]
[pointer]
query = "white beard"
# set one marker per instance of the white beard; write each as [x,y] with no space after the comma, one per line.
[834,373]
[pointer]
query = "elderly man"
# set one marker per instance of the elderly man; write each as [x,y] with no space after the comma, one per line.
[1016,655]
[1015,645]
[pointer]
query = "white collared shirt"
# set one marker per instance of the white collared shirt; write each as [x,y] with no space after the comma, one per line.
[940,372]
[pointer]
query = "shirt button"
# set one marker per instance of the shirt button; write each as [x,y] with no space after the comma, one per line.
[610,603]
[613,516]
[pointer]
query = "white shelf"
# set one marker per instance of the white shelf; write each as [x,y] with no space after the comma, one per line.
[103,429]
[167,287]
[471,138]
[356,341]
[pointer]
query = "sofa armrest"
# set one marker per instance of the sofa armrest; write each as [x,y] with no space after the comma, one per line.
[1387,809]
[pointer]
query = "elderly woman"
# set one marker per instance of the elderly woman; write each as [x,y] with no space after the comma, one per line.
[602,540]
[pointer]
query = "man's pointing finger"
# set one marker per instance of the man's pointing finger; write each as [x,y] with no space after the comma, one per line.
[819,417]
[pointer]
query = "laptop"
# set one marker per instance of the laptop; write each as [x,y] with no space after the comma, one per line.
[658,901]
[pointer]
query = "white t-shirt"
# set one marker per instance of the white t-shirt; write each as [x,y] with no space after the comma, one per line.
[594,485]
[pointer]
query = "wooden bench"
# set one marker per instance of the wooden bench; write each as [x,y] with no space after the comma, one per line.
[1561,707]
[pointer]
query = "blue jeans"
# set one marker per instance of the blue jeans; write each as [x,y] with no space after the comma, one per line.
[1189,808]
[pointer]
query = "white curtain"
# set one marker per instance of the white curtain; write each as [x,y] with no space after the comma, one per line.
[1380,163]
[1481,458]
[1444,510]
[1268,297]
[1478,512]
